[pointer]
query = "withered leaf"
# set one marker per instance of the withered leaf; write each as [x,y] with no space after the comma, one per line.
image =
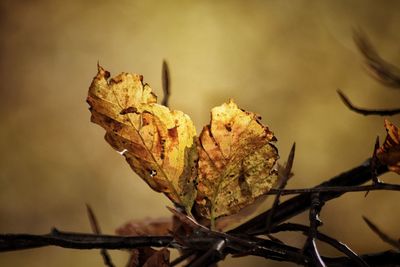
[159,259]
[236,161]
[158,143]
[146,227]
[389,152]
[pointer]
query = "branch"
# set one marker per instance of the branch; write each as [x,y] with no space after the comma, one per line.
[366,112]
[298,204]
[11,242]
[337,189]
[324,238]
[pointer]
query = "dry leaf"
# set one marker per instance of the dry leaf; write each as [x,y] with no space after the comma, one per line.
[158,143]
[158,259]
[146,227]
[234,158]
[389,152]
[236,161]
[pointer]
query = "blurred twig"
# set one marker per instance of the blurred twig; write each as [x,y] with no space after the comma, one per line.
[165,77]
[381,70]
[324,238]
[96,229]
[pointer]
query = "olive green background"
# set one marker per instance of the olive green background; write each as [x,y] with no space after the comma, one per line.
[281,59]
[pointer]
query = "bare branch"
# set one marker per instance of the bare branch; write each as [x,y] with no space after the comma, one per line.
[393,242]
[11,242]
[324,238]
[298,204]
[337,189]
[366,112]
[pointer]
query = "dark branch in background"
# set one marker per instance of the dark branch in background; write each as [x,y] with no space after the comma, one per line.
[283,182]
[366,112]
[393,242]
[381,70]
[165,83]
[96,229]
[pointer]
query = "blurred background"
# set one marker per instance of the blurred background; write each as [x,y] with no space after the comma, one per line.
[281,59]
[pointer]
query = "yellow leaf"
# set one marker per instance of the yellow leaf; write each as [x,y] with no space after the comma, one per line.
[236,161]
[389,152]
[158,143]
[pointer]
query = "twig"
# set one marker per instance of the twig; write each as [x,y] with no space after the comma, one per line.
[393,242]
[96,229]
[298,204]
[324,238]
[381,70]
[366,112]
[11,242]
[241,246]
[165,83]
[337,189]
[374,163]
[283,182]
[315,222]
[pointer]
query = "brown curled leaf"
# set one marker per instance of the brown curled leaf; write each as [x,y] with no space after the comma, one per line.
[146,227]
[389,152]
[159,259]
[236,161]
[158,143]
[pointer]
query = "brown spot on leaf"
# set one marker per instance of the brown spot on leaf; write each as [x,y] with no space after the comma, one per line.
[129,110]
[173,133]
